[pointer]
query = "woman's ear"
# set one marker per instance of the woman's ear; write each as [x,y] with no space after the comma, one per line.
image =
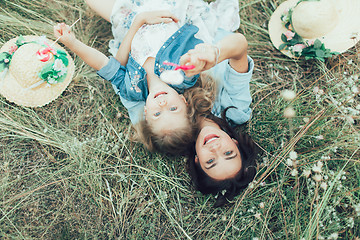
[196,159]
[235,141]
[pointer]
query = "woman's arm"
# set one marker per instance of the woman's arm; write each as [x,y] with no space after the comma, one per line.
[232,47]
[89,55]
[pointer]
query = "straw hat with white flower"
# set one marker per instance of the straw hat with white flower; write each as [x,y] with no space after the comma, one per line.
[34,71]
[315,28]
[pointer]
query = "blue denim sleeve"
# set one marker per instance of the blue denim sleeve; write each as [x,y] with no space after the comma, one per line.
[233,90]
[113,72]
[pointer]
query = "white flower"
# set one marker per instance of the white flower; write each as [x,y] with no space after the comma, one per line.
[289,112]
[320,137]
[306,119]
[258,216]
[289,162]
[316,169]
[333,236]
[293,155]
[306,173]
[317,178]
[294,172]
[324,185]
[51,80]
[261,205]
[58,65]
[288,95]
[320,164]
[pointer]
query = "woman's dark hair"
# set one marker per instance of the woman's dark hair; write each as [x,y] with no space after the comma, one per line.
[231,186]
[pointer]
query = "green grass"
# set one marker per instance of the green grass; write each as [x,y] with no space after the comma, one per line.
[69,171]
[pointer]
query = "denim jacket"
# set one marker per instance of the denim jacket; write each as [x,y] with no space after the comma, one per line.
[129,81]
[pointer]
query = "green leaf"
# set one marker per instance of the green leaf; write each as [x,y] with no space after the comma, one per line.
[283,38]
[317,43]
[46,71]
[282,46]
[320,53]
[20,41]
[5,55]
[2,66]
[62,78]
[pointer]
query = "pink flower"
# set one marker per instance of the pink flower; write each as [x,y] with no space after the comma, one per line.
[298,48]
[13,49]
[310,42]
[45,54]
[289,35]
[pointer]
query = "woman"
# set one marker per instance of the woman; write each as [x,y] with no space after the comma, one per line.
[221,159]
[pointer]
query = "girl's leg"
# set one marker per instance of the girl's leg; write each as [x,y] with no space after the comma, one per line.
[102,7]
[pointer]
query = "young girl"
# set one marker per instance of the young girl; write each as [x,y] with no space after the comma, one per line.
[135,76]
[222,161]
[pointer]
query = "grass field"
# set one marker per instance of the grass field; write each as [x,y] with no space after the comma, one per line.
[69,171]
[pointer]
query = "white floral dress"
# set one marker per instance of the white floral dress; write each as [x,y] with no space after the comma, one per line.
[149,38]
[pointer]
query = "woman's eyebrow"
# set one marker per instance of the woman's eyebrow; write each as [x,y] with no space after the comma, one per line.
[211,166]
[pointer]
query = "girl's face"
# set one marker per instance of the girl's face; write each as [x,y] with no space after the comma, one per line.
[217,153]
[165,110]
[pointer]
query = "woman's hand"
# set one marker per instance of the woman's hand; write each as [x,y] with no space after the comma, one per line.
[203,57]
[155,17]
[64,32]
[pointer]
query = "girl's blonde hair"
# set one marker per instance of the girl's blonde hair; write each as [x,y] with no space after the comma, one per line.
[199,100]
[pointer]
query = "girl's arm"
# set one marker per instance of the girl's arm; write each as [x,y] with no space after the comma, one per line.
[89,55]
[152,17]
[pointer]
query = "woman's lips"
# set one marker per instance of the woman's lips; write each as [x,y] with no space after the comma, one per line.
[209,138]
[160,93]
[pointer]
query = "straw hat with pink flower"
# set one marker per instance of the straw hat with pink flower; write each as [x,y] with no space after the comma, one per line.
[315,28]
[34,70]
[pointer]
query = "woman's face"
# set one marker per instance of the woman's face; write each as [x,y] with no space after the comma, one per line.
[217,153]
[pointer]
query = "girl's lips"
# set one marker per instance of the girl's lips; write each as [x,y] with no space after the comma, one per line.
[209,138]
[160,93]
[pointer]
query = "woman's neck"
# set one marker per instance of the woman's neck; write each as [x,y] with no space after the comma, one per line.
[208,122]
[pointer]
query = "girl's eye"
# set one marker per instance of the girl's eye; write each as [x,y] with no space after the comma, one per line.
[173,108]
[210,161]
[228,153]
[157,114]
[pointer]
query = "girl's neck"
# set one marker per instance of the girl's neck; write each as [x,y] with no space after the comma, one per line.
[153,80]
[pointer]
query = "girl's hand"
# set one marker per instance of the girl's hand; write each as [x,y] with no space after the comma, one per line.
[204,57]
[64,32]
[154,17]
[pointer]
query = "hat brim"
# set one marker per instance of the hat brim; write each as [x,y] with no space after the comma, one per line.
[37,96]
[342,37]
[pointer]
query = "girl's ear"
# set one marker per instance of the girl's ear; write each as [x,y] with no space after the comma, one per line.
[196,159]
[183,98]
[235,141]
[145,111]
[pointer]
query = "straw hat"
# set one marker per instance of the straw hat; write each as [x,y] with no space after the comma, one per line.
[336,23]
[36,72]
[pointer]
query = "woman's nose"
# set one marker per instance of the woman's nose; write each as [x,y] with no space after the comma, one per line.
[215,145]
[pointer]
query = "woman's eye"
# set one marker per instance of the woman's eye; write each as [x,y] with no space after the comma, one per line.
[228,153]
[210,161]
[157,114]
[173,108]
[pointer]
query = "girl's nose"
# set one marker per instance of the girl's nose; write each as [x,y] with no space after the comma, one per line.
[162,102]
